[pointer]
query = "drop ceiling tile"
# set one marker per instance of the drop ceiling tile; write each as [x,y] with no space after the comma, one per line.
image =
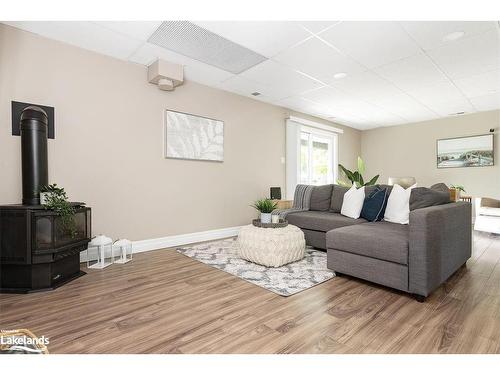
[246,87]
[85,35]
[193,70]
[420,116]
[301,105]
[480,84]
[470,56]
[276,75]
[373,89]
[429,34]
[487,102]
[328,96]
[318,59]
[363,83]
[317,26]
[416,70]
[148,53]
[344,105]
[140,30]
[265,37]
[204,74]
[371,43]
[443,98]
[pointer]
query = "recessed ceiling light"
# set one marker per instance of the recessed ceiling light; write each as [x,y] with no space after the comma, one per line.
[340,75]
[453,36]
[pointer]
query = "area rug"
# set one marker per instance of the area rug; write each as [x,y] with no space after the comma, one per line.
[285,281]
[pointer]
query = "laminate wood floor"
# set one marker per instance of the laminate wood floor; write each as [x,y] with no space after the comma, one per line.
[164,302]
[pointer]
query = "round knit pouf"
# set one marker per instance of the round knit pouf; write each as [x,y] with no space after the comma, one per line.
[271,247]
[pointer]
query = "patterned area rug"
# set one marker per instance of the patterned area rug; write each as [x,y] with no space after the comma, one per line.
[285,281]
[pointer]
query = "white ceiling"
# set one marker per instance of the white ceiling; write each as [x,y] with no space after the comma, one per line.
[397,72]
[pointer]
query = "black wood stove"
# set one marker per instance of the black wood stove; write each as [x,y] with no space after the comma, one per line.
[38,252]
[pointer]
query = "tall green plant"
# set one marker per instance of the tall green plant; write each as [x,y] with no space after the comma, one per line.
[356,177]
[57,201]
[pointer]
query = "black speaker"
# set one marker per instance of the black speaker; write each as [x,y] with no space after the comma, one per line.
[275,193]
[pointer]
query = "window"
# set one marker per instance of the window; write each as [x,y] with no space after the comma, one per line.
[316,159]
[311,154]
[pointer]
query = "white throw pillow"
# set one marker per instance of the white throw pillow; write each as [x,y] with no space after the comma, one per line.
[398,205]
[353,202]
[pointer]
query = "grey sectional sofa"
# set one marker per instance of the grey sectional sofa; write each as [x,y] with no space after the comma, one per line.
[414,258]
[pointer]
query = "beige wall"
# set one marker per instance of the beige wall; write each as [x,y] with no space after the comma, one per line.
[410,150]
[108,146]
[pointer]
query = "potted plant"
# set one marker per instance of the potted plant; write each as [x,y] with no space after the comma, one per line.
[455,191]
[265,207]
[356,177]
[54,198]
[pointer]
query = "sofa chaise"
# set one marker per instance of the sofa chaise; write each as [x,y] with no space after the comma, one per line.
[414,258]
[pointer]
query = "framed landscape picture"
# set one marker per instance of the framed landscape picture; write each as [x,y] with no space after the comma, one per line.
[474,151]
[193,137]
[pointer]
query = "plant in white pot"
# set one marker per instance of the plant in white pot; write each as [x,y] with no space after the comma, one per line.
[265,207]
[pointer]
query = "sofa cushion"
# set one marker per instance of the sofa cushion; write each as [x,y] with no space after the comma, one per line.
[374,205]
[442,187]
[337,198]
[353,202]
[320,221]
[422,197]
[379,240]
[398,205]
[321,197]
[339,191]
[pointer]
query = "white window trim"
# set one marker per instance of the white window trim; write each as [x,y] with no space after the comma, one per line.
[315,124]
[294,126]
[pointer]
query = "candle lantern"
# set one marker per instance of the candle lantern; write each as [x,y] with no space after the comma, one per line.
[122,251]
[100,252]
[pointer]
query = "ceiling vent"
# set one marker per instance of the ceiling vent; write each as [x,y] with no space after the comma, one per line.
[165,74]
[203,45]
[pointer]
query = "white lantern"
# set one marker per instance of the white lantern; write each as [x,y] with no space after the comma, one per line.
[123,251]
[103,247]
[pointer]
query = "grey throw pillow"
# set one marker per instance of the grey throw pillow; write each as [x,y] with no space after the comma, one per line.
[337,198]
[441,187]
[321,197]
[422,197]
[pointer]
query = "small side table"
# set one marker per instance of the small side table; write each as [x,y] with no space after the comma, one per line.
[283,204]
[466,198]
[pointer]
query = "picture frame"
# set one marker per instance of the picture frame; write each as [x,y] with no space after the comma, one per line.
[192,137]
[465,152]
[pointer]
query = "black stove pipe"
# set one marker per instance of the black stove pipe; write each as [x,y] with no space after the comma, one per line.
[34,131]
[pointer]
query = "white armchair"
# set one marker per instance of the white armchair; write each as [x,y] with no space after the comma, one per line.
[487,215]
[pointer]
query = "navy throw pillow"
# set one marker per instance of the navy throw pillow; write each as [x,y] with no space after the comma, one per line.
[374,205]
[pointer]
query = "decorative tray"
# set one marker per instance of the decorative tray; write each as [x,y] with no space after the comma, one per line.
[281,224]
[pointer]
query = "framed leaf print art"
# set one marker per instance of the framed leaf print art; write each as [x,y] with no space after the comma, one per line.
[193,137]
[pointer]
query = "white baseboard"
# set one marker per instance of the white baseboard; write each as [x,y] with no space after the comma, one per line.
[172,241]
[183,239]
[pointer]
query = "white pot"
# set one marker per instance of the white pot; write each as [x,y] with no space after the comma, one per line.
[43,198]
[265,218]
